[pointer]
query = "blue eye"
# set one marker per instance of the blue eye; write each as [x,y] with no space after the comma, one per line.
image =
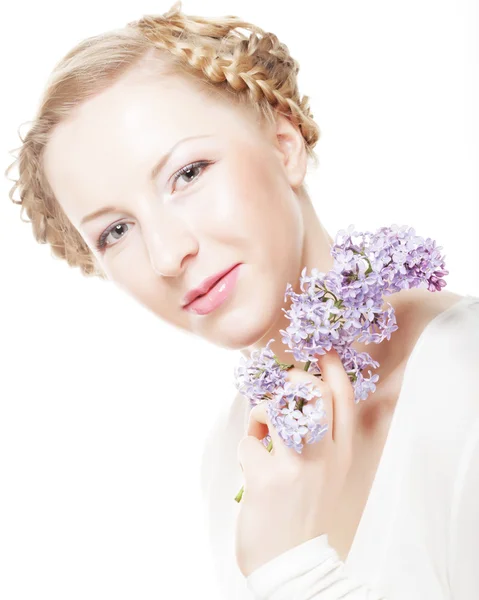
[200,165]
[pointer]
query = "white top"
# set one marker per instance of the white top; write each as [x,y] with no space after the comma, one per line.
[418,537]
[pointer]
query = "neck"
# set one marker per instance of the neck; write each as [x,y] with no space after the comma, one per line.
[389,354]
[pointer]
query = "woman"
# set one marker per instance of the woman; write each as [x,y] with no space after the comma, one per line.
[157,156]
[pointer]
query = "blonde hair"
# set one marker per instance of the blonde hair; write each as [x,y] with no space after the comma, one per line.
[255,71]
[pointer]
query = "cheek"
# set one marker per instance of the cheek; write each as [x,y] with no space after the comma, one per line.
[149,292]
[234,206]
[270,221]
[277,226]
[260,193]
[133,274]
[272,212]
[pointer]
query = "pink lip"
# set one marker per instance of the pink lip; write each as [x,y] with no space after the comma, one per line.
[216,295]
[205,286]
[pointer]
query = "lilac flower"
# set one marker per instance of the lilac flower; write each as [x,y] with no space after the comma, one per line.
[333,310]
[258,377]
[294,424]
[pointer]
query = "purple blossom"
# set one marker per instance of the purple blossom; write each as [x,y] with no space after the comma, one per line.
[294,424]
[333,310]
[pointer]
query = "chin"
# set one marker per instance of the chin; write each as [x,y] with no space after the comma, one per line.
[253,313]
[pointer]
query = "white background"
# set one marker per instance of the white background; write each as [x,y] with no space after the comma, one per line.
[103,408]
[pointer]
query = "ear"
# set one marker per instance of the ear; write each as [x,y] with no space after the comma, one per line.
[291,146]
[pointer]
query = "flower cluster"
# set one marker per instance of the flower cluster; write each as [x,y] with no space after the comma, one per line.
[335,309]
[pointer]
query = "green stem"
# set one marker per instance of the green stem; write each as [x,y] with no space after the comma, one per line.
[239,495]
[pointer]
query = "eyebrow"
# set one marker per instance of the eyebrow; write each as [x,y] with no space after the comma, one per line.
[153,174]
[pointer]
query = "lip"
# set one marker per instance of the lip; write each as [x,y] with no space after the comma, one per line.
[206,286]
[217,295]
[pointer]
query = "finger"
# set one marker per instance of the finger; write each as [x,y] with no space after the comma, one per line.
[253,458]
[259,425]
[297,376]
[338,380]
[256,428]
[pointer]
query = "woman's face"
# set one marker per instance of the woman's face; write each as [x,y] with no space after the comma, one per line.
[174,230]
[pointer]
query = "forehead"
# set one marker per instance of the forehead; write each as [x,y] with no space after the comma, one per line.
[114,136]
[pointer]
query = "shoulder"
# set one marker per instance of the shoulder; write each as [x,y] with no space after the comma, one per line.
[445,337]
[439,408]
[452,337]
[444,311]
[443,376]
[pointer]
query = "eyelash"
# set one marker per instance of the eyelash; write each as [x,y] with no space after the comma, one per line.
[203,164]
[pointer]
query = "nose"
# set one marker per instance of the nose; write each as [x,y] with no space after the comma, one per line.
[168,244]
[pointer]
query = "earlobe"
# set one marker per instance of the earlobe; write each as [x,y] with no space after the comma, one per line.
[293,151]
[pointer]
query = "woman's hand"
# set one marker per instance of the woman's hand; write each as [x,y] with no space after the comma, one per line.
[289,498]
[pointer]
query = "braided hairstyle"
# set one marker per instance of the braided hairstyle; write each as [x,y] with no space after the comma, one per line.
[255,71]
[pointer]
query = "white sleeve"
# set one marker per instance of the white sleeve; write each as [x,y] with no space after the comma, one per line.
[309,571]
[464,525]
[313,570]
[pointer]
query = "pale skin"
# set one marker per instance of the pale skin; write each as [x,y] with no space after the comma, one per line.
[299,491]
[244,206]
